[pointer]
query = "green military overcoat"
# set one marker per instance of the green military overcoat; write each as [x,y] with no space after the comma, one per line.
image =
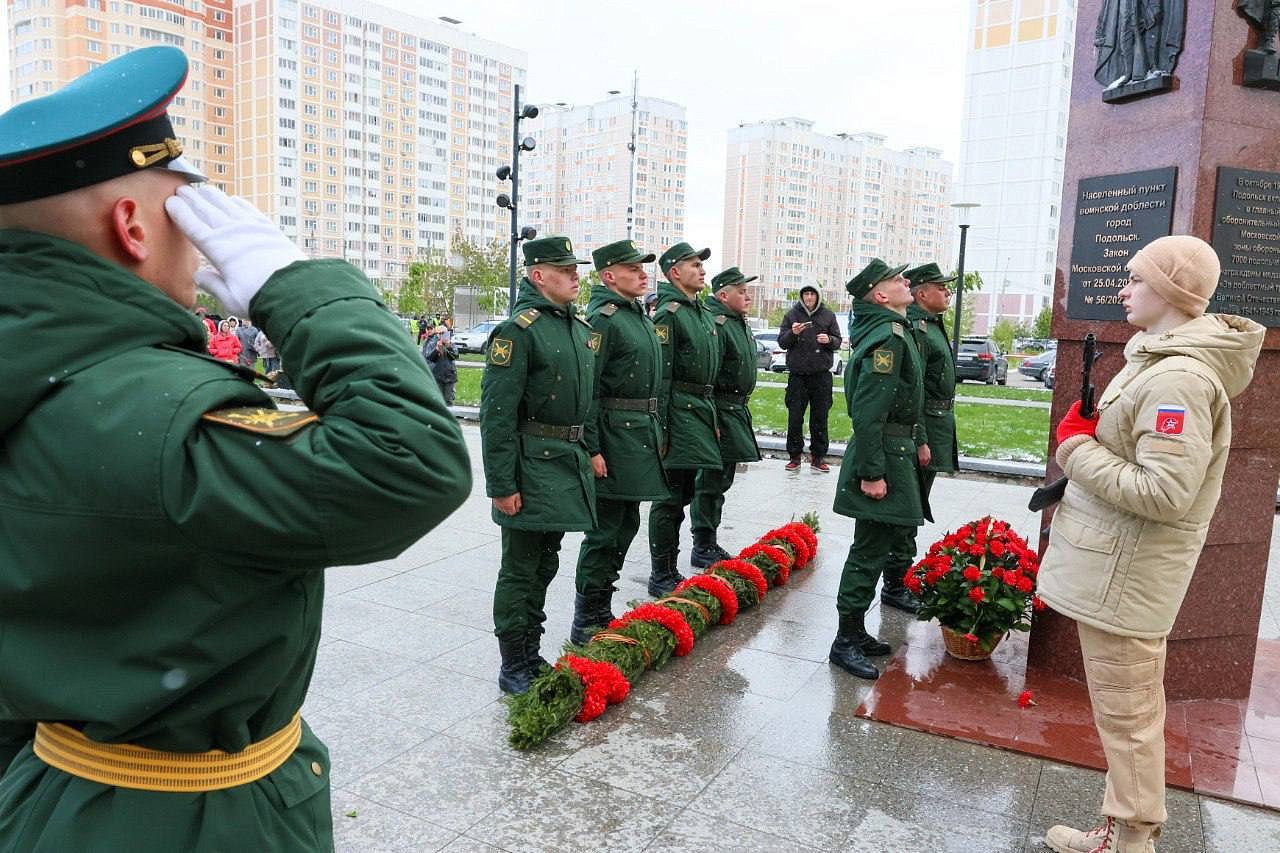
[735,381]
[628,368]
[165,531]
[690,361]
[939,388]
[539,374]
[885,398]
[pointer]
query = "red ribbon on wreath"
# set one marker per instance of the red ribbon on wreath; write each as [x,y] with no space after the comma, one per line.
[748,571]
[717,588]
[775,555]
[604,682]
[664,616]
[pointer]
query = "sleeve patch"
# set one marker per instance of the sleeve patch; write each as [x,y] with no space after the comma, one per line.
[500,352]
[261,421]
[882,361]
[594,341]
[1170,419]
[1159,444]
[663,332]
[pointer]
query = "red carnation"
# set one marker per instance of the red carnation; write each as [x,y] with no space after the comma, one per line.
[998,573]
[977,594]
[666,617]
[1025,699]
[718,588]
[972,574]
[973,638]
[748,571]
[1037,603]
[1026,585]
[997,547]
[604,682]
[775,554]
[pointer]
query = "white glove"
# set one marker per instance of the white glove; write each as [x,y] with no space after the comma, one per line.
[243,245]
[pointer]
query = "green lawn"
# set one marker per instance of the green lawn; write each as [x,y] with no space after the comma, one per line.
[989,432]
[964,389]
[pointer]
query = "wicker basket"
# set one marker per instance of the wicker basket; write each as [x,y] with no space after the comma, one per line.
[960,648]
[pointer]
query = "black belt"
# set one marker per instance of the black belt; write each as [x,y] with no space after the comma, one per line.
[541,430]
[940,404]
[630,404]
[900,429]
[694,388]
[736,399]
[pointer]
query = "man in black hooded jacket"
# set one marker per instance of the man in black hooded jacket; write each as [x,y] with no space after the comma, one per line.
[811,336]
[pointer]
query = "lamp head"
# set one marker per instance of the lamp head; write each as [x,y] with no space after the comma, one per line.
[504,173]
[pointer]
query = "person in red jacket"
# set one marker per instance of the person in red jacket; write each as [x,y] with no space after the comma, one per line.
[225,346]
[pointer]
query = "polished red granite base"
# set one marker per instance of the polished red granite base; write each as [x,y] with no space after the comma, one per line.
[1228,749]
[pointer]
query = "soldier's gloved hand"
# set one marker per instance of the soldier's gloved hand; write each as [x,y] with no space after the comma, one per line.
[243,245]
[1073,423]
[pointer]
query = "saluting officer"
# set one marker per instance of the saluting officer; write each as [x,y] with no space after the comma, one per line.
[880,477]
[686,406]
[623,434]
[734,383]
[165,527]
[534,402]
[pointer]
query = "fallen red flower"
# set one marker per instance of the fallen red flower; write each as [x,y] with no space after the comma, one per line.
[1025,699]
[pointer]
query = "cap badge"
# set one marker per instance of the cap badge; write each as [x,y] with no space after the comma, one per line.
[144,155]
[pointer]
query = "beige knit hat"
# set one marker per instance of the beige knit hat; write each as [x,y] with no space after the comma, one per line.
[1183,269]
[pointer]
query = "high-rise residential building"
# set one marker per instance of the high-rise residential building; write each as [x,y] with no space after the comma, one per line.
[371,134]
[51,42]
[1012,153]
[578,178]
[803,207]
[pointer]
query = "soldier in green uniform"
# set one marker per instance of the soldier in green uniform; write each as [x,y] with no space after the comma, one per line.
[534,403]
[165,527]
[623,437]
[880,476]
[931,291]
[686,404]
[734,383]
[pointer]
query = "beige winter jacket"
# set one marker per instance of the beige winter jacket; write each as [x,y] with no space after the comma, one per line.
[1127,535]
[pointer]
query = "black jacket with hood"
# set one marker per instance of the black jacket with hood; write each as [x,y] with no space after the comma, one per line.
[804,353]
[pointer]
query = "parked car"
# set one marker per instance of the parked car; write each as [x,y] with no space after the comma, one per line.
[778,360]
[764,356]
[1038,366]
[476,338]
[981,359]
[1049,375]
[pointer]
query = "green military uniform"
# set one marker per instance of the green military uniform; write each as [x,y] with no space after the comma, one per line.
[534,402]
[623,428]
[885,398]
[165,528]
[939,379]
[735,381]
[686,406]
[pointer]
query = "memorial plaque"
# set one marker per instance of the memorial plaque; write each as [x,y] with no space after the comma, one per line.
[1115,216]
[1246,236]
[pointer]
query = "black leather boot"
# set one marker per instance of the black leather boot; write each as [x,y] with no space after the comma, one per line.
[515,674]
[704,555]
[663,575]
[536,662]
[591,612]
[895,594]
[847,650]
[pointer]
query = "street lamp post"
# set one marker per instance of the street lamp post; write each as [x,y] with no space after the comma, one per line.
[962,213]
[512,172]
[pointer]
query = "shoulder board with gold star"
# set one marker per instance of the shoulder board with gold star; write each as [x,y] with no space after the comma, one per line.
[262,421]
[525,318]
[583,320]
[610,309]
[898,330]
[721,319]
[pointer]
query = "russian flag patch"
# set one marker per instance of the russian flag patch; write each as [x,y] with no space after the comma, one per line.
[1169,419]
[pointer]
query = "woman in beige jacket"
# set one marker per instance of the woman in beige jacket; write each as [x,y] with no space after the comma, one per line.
[1144,478]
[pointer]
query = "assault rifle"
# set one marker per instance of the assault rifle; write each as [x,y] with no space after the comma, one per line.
[1049,495]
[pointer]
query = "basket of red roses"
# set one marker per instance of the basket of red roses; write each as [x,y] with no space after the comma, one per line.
[979,582]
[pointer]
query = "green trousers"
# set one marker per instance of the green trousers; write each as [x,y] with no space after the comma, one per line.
[529,562]
[877,549]
[667,515]
[605,547]
[709,490]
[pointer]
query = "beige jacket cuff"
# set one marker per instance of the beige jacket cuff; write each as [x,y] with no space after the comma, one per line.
[1068,447]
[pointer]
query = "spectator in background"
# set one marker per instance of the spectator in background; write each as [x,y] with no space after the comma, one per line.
[441,354]
[210,327]
[225,346]
[267,352]
[247,334]
[811,336]
[650,303]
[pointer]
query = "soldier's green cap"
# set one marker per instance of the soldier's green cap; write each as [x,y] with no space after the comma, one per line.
[554,250]
[872,274]
[621,252]
[680,252]
[927,274]
[729,278]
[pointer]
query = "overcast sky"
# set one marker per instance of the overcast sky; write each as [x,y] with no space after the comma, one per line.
[897,70]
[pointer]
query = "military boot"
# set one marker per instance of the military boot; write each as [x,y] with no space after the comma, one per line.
[1112,837]
[706,553]
[532,641]
[591,612]
[515,674]
[848,651]
[895,594]
[663,576]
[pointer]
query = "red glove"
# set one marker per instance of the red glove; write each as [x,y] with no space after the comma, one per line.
[1073,423]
